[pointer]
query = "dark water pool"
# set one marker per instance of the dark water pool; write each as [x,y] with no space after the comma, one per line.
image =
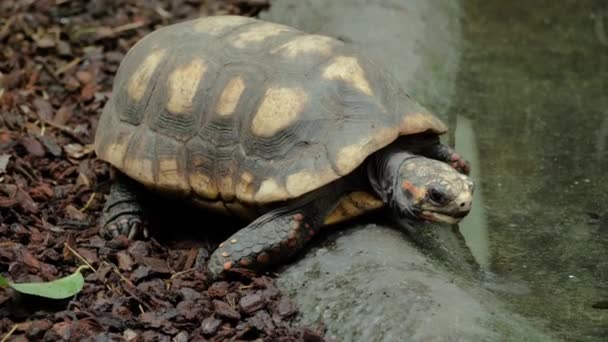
[532,112]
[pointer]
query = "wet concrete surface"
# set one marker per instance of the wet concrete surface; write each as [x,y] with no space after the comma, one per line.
[371,283]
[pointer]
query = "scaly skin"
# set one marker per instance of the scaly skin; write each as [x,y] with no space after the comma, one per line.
[265,242]
[122,212]
[277,235]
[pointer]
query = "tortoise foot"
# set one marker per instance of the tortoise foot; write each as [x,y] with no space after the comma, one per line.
[128,224]
[448,155]
[269,240]
[122,213]
[459,163]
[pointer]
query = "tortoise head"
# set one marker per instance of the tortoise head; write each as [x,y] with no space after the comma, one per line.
[431,190]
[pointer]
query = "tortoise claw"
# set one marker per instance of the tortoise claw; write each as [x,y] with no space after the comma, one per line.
[460,164]
[132,232]
[128,225]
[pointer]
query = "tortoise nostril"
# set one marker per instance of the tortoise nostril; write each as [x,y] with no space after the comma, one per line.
[465,206]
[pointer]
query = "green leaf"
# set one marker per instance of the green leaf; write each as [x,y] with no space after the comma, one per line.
[3,281]
[57,289]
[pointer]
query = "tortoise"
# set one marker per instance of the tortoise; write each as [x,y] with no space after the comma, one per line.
[288,130]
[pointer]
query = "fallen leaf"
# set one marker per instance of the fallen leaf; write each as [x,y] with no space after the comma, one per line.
[57,289]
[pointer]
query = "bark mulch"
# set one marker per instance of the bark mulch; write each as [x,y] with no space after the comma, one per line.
[57,61]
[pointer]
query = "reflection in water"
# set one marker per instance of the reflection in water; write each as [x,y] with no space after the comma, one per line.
[533,83]
[473,227]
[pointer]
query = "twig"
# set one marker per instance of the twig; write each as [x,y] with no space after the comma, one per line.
[177,274]
[79,256]
[65,129]
[88,204]
[48,69]
[128,27]
[8,334]
[68,66]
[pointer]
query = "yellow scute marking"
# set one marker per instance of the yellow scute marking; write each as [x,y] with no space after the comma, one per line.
[244,188]
[348,69]
[305,44]
[270,191]
[352,205]
[140,169]
[183,84]
[279,109]
[258,33]
[115,153]
[351,156]
[304,181]
[170,175]
[226,188]
[141,77]
[218,25]
[203,185]
[417,122]
[230,96]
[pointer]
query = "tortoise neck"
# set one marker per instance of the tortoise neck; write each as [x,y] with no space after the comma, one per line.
[383,171]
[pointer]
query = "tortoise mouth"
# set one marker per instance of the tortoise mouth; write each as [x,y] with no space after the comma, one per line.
[443,217]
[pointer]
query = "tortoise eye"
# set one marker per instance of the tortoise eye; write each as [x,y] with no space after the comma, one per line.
[437,197]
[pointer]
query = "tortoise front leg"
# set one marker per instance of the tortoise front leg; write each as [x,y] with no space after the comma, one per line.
[447,154]
[122,213]
[430,146]
[273,237]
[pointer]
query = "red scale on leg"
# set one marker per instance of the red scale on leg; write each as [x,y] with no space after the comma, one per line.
[276,250]
[263,258]
[245,262]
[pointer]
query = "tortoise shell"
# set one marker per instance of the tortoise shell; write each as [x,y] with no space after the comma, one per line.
[236,111]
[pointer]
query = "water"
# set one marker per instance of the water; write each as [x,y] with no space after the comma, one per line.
[531,109]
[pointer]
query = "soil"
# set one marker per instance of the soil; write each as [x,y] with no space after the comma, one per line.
[57,62]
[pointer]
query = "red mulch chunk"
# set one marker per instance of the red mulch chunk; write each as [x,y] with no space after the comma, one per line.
[57,62]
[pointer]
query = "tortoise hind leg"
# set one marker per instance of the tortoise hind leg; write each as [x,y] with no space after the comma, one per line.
[122,213]
[273,237]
